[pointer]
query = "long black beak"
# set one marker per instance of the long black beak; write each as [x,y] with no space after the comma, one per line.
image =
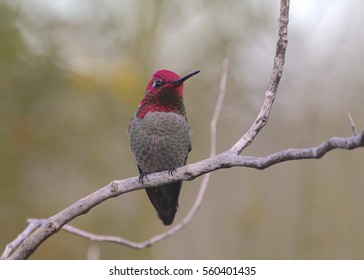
[184,78]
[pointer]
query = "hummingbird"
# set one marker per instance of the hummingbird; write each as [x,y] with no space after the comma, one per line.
[160,138]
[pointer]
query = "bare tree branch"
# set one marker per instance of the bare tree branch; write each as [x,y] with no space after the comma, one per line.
[224,160]
[39,230]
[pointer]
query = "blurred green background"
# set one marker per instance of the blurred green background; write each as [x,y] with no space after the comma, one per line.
[73,72]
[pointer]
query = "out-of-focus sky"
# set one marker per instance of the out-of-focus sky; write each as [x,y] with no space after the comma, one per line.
[73,72]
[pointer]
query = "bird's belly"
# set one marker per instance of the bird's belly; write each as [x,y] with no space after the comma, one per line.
[160,141]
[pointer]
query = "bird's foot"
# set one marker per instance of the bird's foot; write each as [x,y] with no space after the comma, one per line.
[171,170]
[142,176]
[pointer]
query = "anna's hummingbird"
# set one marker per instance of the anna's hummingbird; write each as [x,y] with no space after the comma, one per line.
[160,137]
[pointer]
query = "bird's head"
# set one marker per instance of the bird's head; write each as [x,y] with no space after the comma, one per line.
[164,93]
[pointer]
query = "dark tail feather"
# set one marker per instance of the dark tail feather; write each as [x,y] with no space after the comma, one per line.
[165,200]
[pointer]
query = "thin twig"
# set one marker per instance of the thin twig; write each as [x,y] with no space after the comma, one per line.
[353,127]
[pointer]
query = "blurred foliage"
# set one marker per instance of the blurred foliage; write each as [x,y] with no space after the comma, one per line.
[73,72]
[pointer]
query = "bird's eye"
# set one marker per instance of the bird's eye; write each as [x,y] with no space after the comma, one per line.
[157,83]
